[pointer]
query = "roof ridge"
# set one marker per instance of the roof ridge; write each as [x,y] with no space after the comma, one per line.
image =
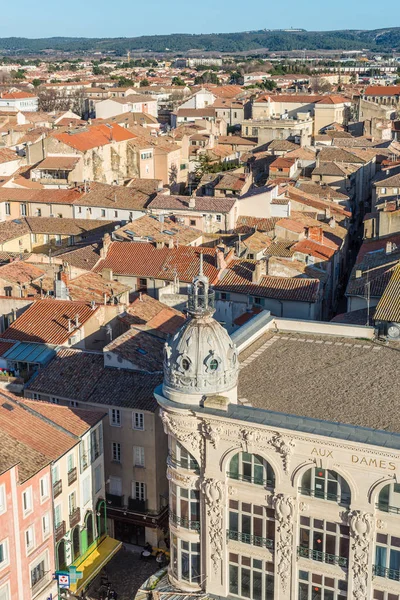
[40,416]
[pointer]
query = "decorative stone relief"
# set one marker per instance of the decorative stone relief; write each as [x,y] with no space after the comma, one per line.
[249,438]
[360,527]
[214,495]
[232,491]
[192,439]
[285,449]
[303,506]
[187,481]
[284,510]
[380,524]
[212,432]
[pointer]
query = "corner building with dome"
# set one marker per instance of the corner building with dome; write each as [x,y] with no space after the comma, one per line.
[284,459]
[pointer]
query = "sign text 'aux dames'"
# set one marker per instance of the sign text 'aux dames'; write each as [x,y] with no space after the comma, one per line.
[357,459]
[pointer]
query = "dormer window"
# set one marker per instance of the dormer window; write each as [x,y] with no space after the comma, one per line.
[185,364]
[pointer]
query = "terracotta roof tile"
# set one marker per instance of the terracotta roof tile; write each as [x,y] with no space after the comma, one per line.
[94,137]
[46,321]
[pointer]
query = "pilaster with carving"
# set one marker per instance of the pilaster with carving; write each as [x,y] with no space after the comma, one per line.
[284,515]
[214,496]
[361,530]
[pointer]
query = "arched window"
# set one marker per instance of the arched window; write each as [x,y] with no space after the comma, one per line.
[61,558]
[389,498]
[180,457]
[326,485]
[251,468]
[89,529]
[76,543]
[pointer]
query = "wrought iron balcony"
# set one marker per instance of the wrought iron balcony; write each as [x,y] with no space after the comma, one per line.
[385,572]
[57,488]
[137,505]
[74,517]
[387,508]
[114,500]
[60,531]
[181,522]
[342,499]
[72,475]
[269,483]
[248,538]
[330,559]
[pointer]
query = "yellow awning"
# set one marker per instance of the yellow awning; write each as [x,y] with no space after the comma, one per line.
[94,562]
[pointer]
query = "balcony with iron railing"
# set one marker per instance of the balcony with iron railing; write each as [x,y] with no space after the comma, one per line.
[137,505]
[342,499]
[182,522]
[74,517]
[379,571]
[384,507]
[57,488]
[72,476]
[115,500]
[61,530]
[248,538]
[330,559]
[268,483]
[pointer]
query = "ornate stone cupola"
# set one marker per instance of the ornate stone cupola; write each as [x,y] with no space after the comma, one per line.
[201,359]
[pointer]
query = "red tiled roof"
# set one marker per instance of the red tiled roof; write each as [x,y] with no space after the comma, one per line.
[382,90]
[76,421]
[314,249]
[238,279]
[16,95]
[95,136]
[332,100]
[46,321]
[298,98]
[139,259]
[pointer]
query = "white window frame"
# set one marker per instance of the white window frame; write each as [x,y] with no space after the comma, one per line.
[97,470]
[44,485]
[115,417]
[116,452]
[46,532]
[6,561]
[137,419]
[30,539]
[138,456]
[139,491]
[6,587]
[3,499]
[7,208]
[27,494]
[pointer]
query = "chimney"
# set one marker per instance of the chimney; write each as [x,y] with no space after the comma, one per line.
[77,324]
[316,234]
[359,273]
[192,201]
[106,244]
[259,271]
[107,274]
[389,247]
[69,326]
[332,222]
[221,263]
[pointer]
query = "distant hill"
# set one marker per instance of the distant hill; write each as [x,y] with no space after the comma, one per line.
[274,40]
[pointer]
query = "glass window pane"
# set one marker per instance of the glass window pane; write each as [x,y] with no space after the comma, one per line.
[257,585]
[233,580]
[245,588]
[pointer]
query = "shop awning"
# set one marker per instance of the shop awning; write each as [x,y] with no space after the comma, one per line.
[91,564]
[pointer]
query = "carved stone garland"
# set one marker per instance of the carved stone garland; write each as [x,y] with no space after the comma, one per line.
[284,510]
[214,496]
[360,527]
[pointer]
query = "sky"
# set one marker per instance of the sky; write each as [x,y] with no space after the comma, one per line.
[131,18]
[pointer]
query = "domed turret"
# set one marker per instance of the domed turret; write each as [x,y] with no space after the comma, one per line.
[201,359]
